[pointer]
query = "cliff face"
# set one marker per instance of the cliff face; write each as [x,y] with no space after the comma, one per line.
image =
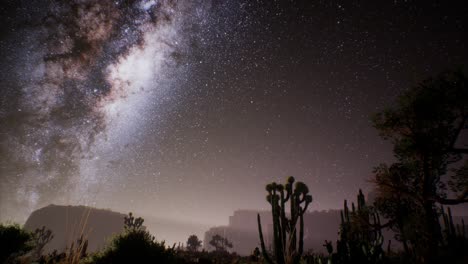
[319,226]
[68,223]
[242,230]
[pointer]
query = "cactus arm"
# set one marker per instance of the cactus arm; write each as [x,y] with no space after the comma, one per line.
[346,211]
[262,242]
[278,251]
[301,234]
[463,228]
[284,222]
[288,246]
[307,202]
[452,226]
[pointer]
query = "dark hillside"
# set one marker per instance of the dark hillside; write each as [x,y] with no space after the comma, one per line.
[69,222]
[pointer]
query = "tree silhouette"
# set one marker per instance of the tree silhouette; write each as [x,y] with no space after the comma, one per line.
[424,128]
[193,243]
[396,202]
[220,243]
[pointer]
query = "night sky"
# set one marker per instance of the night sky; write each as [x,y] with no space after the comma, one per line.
[186,109]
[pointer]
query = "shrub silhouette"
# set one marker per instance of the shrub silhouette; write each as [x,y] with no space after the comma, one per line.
[220,243]
[14,242]
[135,245]
[40,238]
[193,243]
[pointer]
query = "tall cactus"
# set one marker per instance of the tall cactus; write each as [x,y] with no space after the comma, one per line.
[287,247]
[361,238]
[454,236]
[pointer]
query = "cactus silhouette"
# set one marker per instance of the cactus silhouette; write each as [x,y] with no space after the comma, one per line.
[361,237]
[287,246]
[132,223]
[454,237]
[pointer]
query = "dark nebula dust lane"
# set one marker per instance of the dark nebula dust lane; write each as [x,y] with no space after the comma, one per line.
[79,78]
[186,109]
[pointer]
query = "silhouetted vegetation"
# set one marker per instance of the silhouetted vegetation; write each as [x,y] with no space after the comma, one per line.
[221,244]
[14,242]
[361,238]
[41,237]
[193,243]
[430,171]
[424,127]
[134,245]
[285,238]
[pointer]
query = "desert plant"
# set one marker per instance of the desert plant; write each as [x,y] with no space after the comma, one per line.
[255,256]
[455,241]
[14,242]
[288,248]
[361,237]
[221,244]
[134,245]
[193,243]
[40,238]
[132,223]
[77,251]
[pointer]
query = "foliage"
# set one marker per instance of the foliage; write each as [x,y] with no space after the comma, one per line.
[396,186]
[131,223]
[361,237]
[220,243]
[53,258]
[40,238]
[77,251]
[14,242]
[288,248]
[360,240]
[255,256]
[455,240]
[424,128]
[135,245]
[193,243]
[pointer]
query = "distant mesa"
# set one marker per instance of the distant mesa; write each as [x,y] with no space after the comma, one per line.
[99,225]
[68,223]
[319,226]
[242,230]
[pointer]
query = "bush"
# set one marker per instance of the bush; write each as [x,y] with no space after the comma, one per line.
[135,246]
[14,242]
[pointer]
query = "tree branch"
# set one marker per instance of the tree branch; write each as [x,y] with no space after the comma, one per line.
[458,130]
[459,150]
[397,190]
[377,226]
[462,198]
[451,201]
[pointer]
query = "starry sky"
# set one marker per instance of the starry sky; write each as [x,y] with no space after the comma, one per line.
[186,109]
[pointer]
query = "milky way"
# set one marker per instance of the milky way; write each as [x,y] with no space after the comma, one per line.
[86,68]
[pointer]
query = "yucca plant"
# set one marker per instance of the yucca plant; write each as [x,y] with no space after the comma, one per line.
[287,246]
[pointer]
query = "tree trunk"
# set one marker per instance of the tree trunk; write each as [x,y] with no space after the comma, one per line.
[431,225]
